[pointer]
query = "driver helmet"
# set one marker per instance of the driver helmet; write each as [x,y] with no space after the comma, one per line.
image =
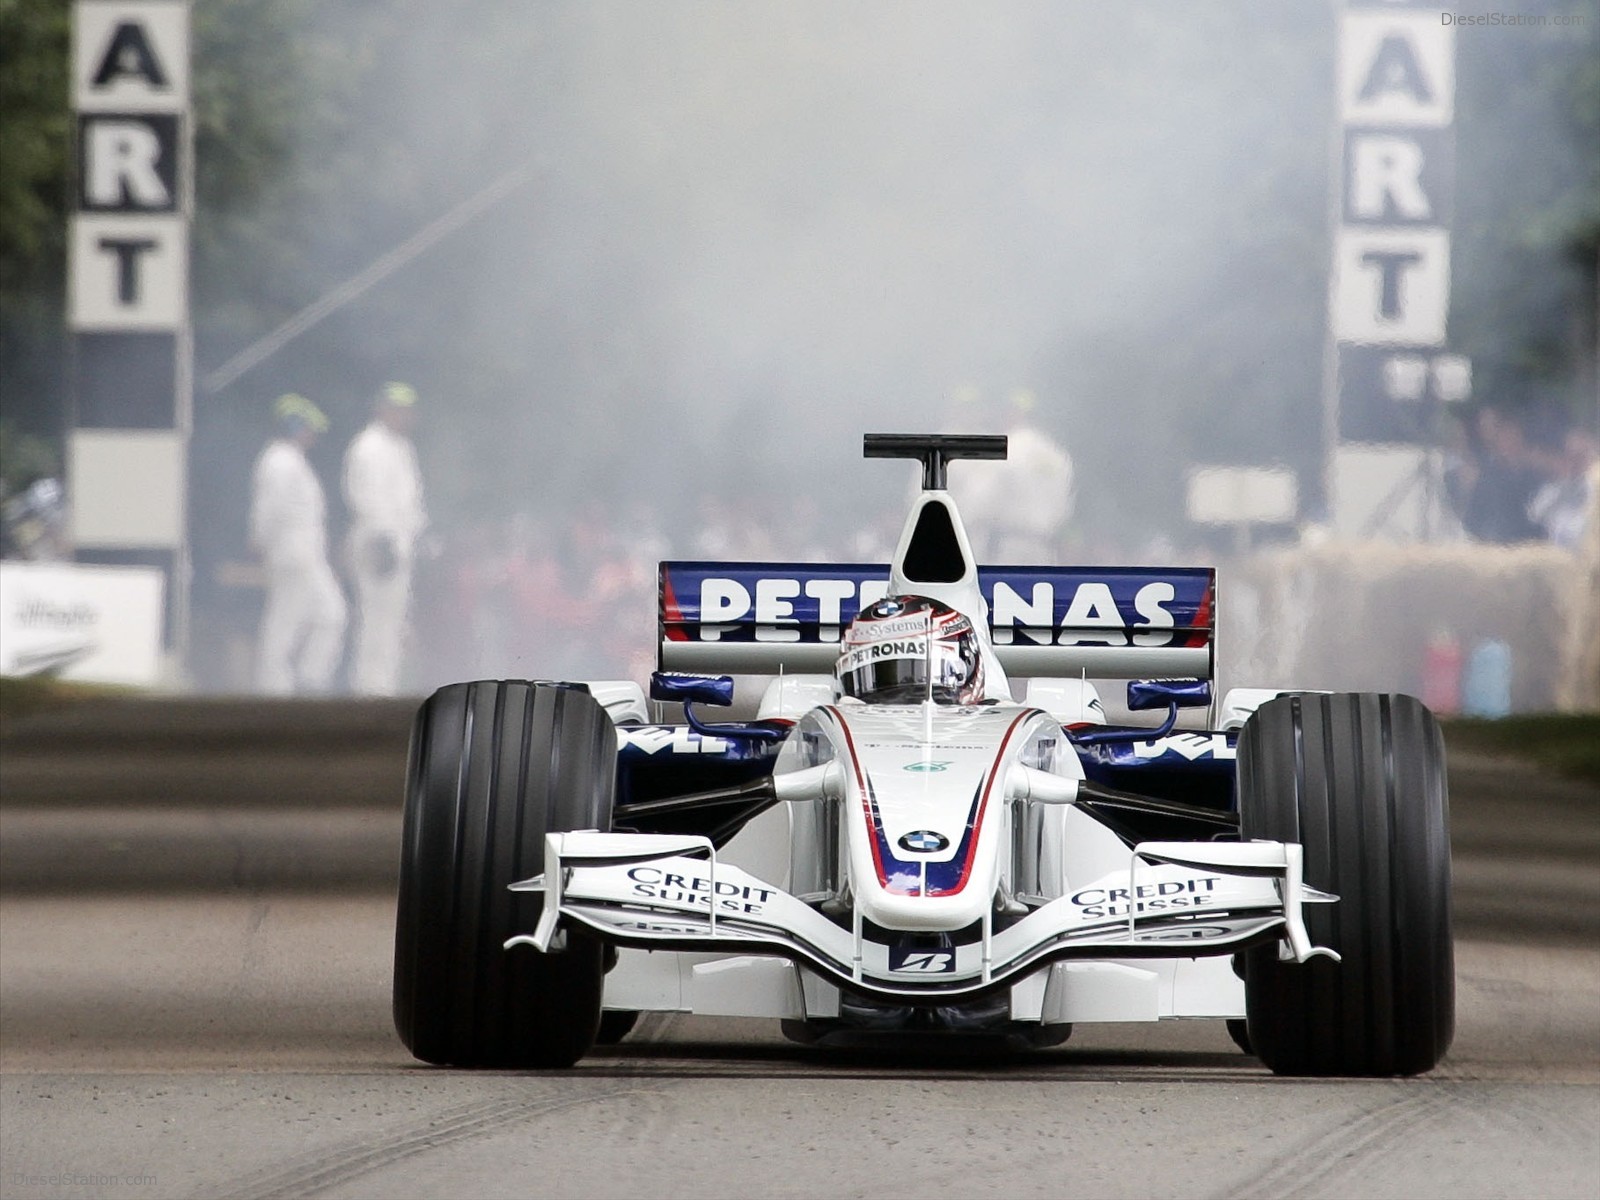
[896,648]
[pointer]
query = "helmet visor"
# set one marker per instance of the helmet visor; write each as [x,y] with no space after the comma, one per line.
[902,671]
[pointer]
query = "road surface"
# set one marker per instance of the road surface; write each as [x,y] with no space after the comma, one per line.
[190,1029]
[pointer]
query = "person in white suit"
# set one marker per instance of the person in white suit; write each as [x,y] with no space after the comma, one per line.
[383,489]
[303,621]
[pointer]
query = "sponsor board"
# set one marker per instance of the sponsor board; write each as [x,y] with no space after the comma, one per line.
[1389,293]
[87,623]
[127,264]
[800,602]
[129,240]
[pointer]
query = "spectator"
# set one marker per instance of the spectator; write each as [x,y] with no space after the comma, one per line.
[1497,502]
[302,624]
[383,488]
[35,522]
[33,508]
[1561,506]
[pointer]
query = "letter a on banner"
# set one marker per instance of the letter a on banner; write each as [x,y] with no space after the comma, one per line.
[1396,68]
[130,53]
[131,57]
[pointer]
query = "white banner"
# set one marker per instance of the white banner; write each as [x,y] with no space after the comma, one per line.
[1389,282]
[88,623]
[127,487]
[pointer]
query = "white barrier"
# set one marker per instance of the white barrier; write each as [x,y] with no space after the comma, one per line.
[90,623]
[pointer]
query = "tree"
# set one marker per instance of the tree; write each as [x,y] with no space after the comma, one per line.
[1528,223]
[35,143]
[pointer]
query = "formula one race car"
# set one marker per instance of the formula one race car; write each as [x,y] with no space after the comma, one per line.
[895,844]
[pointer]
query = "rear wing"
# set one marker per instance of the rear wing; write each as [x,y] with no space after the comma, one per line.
[1105,622]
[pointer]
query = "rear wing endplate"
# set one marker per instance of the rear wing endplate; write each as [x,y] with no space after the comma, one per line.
[1105,622]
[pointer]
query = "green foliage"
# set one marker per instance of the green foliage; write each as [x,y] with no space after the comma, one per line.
[1527,244]
[1567,744]
[267,85]
[24,457]
[35,144]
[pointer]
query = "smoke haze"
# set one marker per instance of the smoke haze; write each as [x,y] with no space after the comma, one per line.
[761,225]
[748,234]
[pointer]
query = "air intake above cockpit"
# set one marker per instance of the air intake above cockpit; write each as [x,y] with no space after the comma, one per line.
[934,555]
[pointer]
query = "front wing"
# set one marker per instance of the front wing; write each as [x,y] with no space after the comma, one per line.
[1176,900]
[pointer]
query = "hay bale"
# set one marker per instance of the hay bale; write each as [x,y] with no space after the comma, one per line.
[1358,616]
[1580,685]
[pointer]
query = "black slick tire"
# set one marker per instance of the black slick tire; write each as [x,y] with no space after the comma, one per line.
[494,766]
[1358,779]
[1239,1031]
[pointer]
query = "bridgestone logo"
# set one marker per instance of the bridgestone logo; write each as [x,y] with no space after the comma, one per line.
[922,962]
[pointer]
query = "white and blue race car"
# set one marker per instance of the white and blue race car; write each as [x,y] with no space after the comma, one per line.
[896,843]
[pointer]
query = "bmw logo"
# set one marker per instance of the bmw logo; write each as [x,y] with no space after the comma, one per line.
[924,841]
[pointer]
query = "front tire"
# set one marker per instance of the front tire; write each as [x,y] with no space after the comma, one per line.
[615,1024]
[1358,780]
[1239,1031]
[494,766]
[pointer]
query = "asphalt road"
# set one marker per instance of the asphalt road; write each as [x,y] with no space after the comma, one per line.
[230,1037]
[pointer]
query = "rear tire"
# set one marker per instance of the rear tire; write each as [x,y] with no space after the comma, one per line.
[1358,780]
[494,766]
